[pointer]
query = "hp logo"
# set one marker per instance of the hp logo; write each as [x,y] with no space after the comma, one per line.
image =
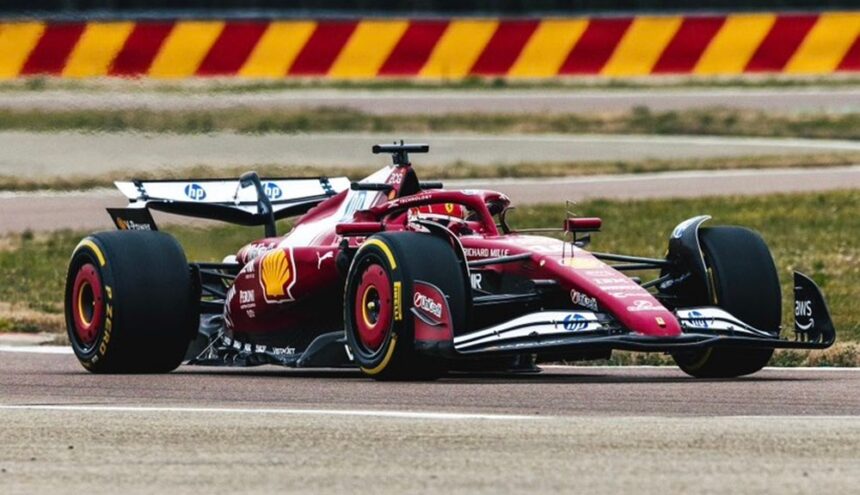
[697,319]
[195,192]
[574,322]
[272,190]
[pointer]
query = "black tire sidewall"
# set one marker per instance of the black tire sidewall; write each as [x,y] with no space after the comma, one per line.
[153,311]
[745,284]
[745,280]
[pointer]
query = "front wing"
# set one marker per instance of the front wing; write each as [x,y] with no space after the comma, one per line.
[558,332]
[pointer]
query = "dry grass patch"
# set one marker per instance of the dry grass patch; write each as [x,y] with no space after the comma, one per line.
[640,120]
[237,85]
[19,318]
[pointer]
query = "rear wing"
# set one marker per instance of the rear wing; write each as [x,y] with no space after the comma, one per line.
[231,200]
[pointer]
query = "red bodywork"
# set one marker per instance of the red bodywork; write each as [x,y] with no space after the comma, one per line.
[293,282]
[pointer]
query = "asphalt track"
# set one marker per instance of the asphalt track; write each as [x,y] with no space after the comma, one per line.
[35,154]
[593,430]
[439,101]
[46,211]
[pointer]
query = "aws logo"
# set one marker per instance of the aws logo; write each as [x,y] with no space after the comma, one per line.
[277,275]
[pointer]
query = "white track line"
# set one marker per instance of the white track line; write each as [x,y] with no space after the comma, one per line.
[670,367]
[37,349]
[306,412]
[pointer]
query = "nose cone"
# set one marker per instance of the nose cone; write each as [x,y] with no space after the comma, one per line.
[650,318]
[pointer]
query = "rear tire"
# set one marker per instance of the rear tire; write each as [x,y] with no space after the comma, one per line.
[379,324]
[129,303]
[744,283]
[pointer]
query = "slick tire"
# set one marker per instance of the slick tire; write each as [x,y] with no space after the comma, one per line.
[130,304]
[745,283]
[380,328]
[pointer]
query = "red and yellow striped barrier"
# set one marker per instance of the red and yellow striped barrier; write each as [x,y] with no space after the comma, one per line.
[429,49]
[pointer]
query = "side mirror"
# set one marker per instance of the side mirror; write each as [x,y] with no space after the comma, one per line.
[586,224]
[582,226]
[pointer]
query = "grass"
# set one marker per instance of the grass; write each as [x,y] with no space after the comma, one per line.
[238,85]
[456,170]
[816,233]
[639,120]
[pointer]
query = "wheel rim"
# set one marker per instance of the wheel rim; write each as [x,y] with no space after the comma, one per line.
[87,304]
[373,309]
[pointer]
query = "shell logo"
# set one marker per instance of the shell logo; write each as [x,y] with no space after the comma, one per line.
[275,273]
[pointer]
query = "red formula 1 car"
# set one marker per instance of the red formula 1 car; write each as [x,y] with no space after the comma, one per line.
[407,280]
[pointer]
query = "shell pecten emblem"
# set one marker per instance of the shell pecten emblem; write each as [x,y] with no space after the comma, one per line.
[277,275]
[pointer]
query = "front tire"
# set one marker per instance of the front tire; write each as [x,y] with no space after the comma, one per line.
[745,283]
[130,305]
[380,328]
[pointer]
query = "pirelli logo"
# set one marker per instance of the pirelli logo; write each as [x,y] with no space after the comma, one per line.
[815,43]
[398,301]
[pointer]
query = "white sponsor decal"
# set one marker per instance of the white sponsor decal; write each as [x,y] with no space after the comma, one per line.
[427,304]
[324,257]
[583,300]
[254,251]
[643,305]
[620,294]
[803,309]
[477,279]
[485,252]
[132,225]
[246,297]
[395,178]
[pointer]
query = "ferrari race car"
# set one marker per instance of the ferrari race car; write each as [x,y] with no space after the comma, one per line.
[406,280]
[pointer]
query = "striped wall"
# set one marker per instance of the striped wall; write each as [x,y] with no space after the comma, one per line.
[437,49]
